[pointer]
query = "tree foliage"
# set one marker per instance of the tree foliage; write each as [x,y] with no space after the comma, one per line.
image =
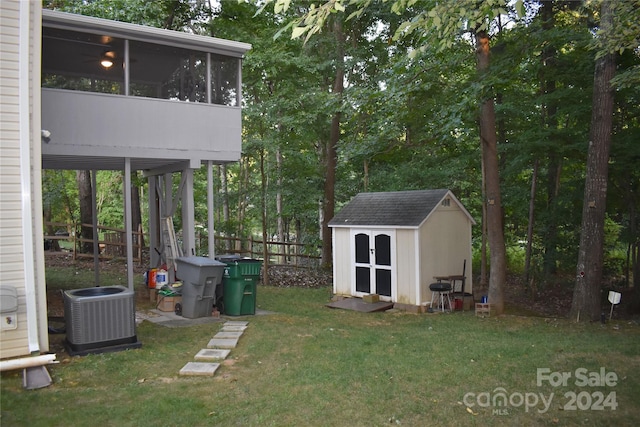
[409,112]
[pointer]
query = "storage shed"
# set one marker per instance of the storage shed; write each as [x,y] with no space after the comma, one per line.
[395,244]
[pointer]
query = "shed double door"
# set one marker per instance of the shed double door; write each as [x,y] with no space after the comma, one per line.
[373,262]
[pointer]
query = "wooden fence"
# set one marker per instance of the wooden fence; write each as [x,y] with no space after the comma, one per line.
[113,244]
[279,253]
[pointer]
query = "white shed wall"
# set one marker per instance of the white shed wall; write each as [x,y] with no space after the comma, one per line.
[342,261]
[406,266]
[445,242]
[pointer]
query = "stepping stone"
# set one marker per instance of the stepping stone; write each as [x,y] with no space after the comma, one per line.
[199,369]
[232,328]
[208,354]
[223,343]
[236,323]
[224,335]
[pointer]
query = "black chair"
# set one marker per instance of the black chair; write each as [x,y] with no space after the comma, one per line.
[461,293]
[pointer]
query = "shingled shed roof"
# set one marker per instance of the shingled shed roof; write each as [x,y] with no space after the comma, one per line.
[397,208]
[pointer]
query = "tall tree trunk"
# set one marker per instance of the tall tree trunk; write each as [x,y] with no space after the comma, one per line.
[280,219]
[532,200]
[331,148]
[549,121]
[136,211]
[483,243]
[586,303]
[298,238]
[52,245]
[83,179]
[225,205]
[243,186]
[551,229]
[265,235]
[365,180]
[634,247]
[489,143]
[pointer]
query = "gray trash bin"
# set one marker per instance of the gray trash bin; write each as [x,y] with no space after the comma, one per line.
[200,277]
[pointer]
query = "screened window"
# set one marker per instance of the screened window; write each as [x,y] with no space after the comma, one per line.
[167,72]
[72,60]
[76,61]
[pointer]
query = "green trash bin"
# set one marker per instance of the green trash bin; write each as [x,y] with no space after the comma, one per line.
[239,286]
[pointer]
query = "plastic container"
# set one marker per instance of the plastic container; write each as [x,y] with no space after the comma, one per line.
[162,278]
[240,286]
[151,278]
[239,296]
[200,278]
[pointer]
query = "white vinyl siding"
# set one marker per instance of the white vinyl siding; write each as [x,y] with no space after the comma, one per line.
[18,125]
[14,342]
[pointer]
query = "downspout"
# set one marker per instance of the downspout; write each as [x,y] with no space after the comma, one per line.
[25,178]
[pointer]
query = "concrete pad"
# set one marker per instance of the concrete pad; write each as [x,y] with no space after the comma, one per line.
[199,369]
[224,335]
[232,328]
[357,304]
[236,323]
[172,320]
[211,354]
[223,343]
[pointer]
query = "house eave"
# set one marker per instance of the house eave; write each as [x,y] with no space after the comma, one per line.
[88,24]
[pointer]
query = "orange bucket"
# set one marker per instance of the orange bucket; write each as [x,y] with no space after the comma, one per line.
[151,278]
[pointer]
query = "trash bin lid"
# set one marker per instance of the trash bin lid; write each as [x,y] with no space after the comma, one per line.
[200,261]
[228,257]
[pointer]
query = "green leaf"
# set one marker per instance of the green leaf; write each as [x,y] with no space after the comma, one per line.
[403,26]
[298,31]
[520,8]
[283,29]
[279,6]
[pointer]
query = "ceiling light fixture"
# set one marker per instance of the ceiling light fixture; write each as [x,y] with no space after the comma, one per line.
[107,59]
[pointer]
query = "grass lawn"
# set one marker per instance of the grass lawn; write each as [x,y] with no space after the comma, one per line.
[311,365]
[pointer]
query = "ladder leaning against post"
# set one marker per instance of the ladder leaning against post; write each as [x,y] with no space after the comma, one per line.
[170,248]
